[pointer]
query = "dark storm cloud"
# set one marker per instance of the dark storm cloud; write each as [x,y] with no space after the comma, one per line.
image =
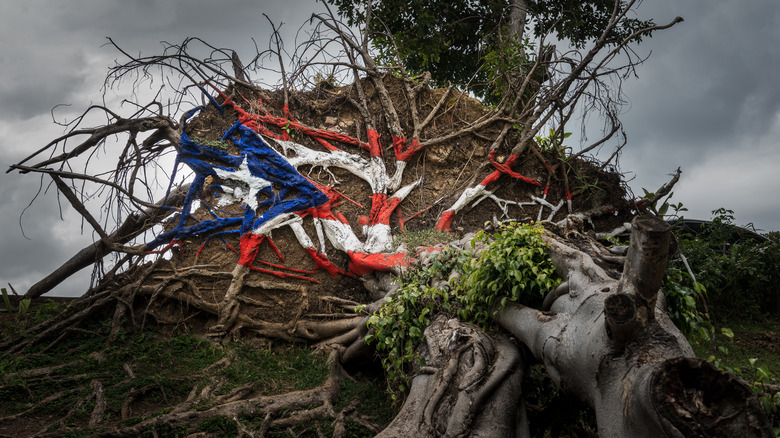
[50,48]
[714,69]
[708,100]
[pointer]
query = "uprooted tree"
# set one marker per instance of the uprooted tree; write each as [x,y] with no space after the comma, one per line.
[288,222]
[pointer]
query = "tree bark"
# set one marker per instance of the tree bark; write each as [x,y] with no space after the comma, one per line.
[610,343]
[470,386]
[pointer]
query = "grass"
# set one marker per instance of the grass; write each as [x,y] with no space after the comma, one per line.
[373,399]
[426,237]
[169,365]
[275,370]
[750,351]
[751,340]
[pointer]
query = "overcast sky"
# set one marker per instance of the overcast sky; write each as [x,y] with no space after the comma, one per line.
[707,100]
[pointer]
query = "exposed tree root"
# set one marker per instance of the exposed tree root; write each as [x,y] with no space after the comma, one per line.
[282,411]
[470,386]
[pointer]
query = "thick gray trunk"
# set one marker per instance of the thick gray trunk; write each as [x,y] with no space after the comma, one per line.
[608,343]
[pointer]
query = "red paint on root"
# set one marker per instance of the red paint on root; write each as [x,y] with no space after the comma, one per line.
[282,274]
[322,262]
[445,221]
[418,213]
[382,208]
[362,263]
[285,268]
[374,146]
[490,179]
[275,248]
[326,145]
[249,246]
[550,168]
[324,211]
[255,121]
[176,242]
[505,169]
[404,151]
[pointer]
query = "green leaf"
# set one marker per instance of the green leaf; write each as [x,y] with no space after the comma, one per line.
[727,332]
[763,373]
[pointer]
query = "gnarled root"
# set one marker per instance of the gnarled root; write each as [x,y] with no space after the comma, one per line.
[470,386]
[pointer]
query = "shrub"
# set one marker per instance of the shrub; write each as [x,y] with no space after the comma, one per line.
[514,267]
[742,278]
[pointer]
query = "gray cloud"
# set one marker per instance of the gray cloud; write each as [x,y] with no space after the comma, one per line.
[708,99]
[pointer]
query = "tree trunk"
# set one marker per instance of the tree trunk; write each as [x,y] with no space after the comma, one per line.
[610,343]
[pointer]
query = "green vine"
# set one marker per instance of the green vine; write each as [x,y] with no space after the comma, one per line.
[515,266]
[683,298]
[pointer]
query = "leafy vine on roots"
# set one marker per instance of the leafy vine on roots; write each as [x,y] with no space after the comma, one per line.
[511,264]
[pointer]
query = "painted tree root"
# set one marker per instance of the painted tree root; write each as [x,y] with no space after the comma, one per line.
[610,343]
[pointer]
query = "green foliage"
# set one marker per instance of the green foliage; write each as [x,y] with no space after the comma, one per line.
[661,207]
[399,324]
[24,305]
[582,21]
[684,298]
[454,39]
[325,81]
[552,141]
[510,57]
[515,267]
[742,276]
[28,314]
[738,281]
[289,130]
